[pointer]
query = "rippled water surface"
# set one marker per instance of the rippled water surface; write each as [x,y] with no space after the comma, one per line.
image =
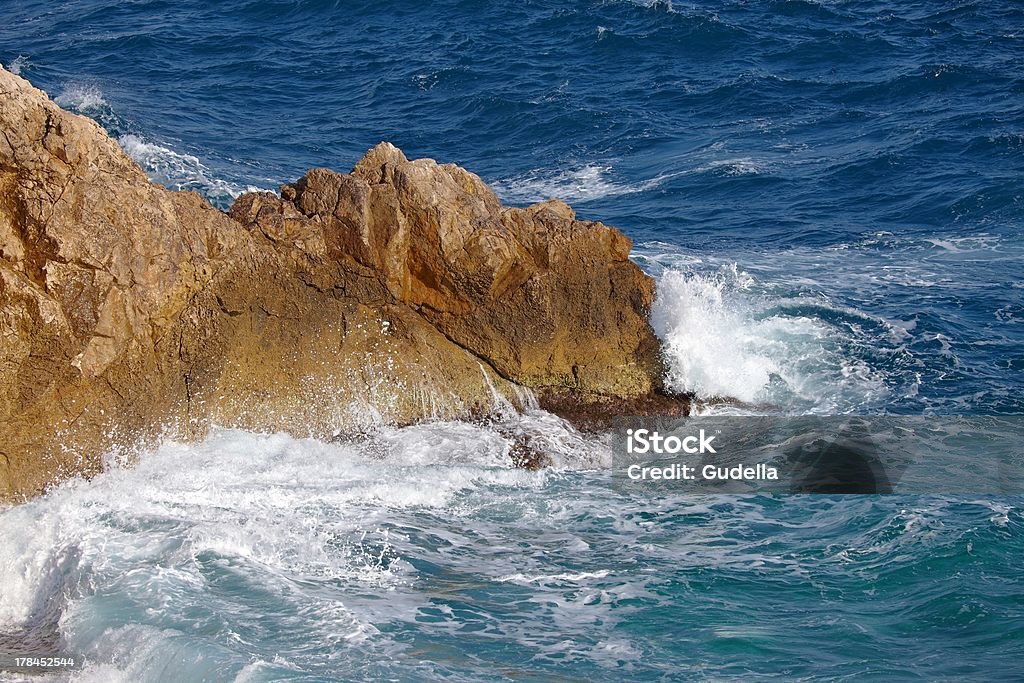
[830,197]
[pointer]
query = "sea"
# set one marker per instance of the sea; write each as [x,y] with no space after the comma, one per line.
[830,195]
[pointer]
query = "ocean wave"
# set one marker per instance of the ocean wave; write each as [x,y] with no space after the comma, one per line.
[663,5]
[579,184]
[254,554]
[565,577]
[726,336]
[900,322]
[179,171]
[965,245]
[175,170]
[240,490]
[83,99]
[594,181]
[734,167]
[18,64]
[244,507]
[88,99]
[713,351]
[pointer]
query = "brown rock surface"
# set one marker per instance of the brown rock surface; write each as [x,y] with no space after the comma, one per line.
[399,292]
[546,299]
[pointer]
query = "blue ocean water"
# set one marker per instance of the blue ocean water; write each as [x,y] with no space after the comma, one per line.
[831,196]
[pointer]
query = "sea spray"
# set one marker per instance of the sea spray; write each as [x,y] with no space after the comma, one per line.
[713,346]
[770,347]
[180,171]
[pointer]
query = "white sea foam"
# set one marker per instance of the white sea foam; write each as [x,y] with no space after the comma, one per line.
[966,245]
[724,337]
[83,99]
[269,505]
[588,182]
[656,4]
[179,171]
[564,577]
[734,167]
[714,348]
[577,184]
[176,170]
[17,65]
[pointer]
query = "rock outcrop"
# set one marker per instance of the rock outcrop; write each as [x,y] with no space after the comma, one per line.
[398,292]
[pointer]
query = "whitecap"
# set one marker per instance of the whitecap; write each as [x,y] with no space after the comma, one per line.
[179,171]
[18,64]
[577,184]
[564,577]
[740,166]
[961,245]
[656,4]
[82,99]
[727,335]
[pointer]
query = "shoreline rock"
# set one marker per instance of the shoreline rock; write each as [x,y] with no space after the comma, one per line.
[400,292]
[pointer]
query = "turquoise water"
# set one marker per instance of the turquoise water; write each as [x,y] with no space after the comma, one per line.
[830,197]
[263,558]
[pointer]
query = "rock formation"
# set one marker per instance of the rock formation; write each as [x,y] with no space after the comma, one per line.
[399,292]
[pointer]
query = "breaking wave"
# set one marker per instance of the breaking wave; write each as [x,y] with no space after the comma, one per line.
[83,99]
[115,568]
[578,185]
[17,65]
[173,169]
[264,557]
[769,346]
[179,171]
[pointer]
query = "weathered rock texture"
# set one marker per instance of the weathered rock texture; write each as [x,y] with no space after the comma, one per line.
[399,292]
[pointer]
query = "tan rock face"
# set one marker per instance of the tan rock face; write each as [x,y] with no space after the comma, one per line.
[399,292]
[547,300]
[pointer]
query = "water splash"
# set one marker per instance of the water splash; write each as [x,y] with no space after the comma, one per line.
[18,64]
[85,99]
[728,336]
[180,171]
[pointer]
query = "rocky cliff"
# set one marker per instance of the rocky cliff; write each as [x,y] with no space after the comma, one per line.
[398,292]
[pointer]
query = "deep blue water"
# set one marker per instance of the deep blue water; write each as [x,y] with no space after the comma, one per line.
[831,195]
